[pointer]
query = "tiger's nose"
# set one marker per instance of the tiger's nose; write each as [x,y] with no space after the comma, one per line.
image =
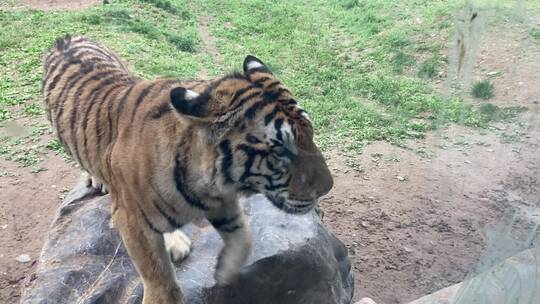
[326,182]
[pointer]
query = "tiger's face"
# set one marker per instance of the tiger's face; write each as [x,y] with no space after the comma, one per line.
[263,138]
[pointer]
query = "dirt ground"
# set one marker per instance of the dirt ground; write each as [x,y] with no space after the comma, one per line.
[414,218]
[28,204]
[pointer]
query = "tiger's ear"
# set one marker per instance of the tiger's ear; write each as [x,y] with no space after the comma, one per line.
[190,103]
[252,64]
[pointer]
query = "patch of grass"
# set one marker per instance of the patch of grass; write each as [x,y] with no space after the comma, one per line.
[168,6]
[397,39]
[303,43]
[348,4]
[55,145]
[38,130]
[93,19]
[483,89]
[429,68]
[144,28]
[186,42]
[535,33]
[33,109]
[491,113]
[361,97]
[4,114]
[18,150]
[402,60]
[139,31]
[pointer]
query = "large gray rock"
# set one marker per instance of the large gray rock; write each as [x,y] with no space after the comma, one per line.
[294,260]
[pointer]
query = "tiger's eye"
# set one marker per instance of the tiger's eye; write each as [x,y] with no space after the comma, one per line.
[279,151]
[253,139]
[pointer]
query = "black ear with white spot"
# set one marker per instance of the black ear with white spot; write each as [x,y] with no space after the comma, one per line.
[189,102]
[252,64]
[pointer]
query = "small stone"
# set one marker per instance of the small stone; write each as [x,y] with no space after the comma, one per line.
[23,258]
[4,226]
[364,224]
[53,186]
[366,301]
[493,73]
[407,249]
[401,178]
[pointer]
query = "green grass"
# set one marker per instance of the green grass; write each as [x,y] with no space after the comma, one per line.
[535,33]
[336,55]
[155,38]
[483,89]
[492,113]
[429,68]
[401,61]
[350,63]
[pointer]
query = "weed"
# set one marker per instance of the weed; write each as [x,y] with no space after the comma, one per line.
[167,6]
[483,89]
[144,28]
[348,4]
[535,33]
[118,14]
[4,114]
[491,113]
[40,130]
[93,19]
[55,145]
[33,109]
[429,68]
[397,39]
[185,42]
[401,60]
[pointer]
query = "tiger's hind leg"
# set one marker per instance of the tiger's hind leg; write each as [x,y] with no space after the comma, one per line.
[177,244]
[94,182]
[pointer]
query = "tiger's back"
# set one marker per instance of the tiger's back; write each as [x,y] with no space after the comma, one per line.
[81,79]
[90,98]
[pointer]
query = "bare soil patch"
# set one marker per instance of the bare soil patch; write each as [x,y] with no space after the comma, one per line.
[49,5]
[208,42]
[28,202]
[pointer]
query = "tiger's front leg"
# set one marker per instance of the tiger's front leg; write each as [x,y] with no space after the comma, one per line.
[146,248]
[229,220]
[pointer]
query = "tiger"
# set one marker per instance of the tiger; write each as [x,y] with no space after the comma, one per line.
[172,151]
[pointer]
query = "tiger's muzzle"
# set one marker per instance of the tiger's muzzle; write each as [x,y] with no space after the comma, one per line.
[292,206]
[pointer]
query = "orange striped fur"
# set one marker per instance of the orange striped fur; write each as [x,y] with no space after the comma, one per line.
[171,151]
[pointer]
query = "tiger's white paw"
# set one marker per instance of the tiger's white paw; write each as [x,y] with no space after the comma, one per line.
[177,244]
[95,183]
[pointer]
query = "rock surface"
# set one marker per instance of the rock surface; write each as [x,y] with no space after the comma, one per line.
[294,260]
[514,281]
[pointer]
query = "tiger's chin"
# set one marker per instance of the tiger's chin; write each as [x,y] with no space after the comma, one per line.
[292,206]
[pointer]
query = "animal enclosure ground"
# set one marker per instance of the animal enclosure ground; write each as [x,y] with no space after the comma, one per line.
[418,178]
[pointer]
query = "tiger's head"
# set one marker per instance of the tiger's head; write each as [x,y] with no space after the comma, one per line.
[263,139]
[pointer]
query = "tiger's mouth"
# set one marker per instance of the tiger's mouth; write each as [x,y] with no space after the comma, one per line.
[292,206]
